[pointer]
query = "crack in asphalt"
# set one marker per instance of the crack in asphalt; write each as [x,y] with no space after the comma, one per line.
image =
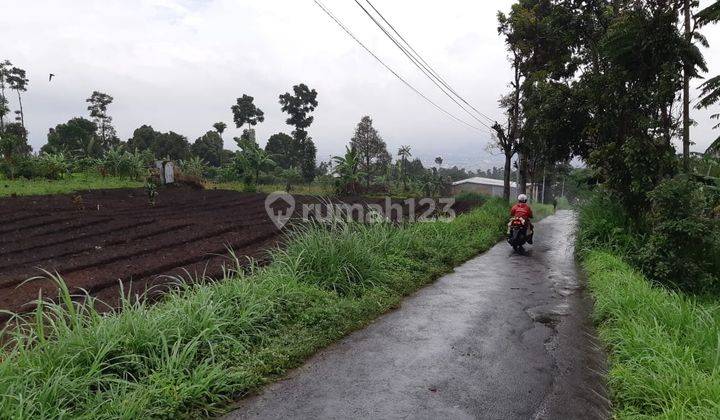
[503,336]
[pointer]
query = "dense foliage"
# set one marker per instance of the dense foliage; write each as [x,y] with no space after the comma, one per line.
[676,242]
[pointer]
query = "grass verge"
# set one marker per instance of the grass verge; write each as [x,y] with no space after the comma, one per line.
[206,345]
[317,189]
[69,184]
[664,346]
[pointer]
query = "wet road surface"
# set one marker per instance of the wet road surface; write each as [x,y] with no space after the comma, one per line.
[504,336]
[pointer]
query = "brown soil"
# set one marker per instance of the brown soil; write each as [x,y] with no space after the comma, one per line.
[109,237]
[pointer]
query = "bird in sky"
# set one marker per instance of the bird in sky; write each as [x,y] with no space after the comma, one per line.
[50,78]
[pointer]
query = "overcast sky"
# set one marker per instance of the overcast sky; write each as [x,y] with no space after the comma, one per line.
[179,65]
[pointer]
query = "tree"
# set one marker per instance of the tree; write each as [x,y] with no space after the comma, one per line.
[13,146]
[18,82]
[508,147]
[252,159]
[4,108]
[710,90]
[404,153]
[283,150]
[299,105]
[209,148]
[245,112]
[347,168]
[162,145]
[98,112]
[76,138]
[220,128]
[143,138]
[172,145]
[291,176]
[631,99]
[371,149]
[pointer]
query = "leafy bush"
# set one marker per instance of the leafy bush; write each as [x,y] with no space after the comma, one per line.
[675,243]
[124,164]
[195,167]
[84,165]
[225,174]
[48,166]
[682,249]
[52,166]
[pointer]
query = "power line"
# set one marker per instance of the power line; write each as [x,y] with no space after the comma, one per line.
[344,28]
[420,66]
[425,64]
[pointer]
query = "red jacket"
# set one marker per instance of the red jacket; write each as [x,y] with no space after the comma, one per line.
[521,210]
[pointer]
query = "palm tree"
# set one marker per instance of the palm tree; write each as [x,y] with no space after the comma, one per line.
[404,153]
[220,128]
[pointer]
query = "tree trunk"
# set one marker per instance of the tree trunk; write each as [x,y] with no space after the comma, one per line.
[2,95]
[522,172]
[686,95]
[367,168]
[506,176]
[22,114]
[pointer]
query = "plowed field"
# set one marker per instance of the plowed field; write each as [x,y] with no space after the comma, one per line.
[110,237]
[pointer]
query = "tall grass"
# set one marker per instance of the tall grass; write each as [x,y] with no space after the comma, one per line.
[206,344]
[66,185]
[664,346]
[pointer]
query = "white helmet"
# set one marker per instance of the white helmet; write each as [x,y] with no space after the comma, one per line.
[522,198]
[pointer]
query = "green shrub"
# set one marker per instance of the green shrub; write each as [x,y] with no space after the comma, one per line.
[674,244]
[682,249]
[52,166]
[48,166]
[194,166]
[124,164]
[84,165]
[224,174]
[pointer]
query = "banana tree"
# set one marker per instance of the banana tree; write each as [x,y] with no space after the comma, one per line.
[252,159]
[348,172]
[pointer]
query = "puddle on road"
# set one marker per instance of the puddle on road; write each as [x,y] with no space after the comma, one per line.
[548,314]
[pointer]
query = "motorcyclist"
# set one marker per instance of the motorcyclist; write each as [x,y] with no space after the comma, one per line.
[522,209]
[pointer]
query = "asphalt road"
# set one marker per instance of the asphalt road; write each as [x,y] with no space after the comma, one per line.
[504,336]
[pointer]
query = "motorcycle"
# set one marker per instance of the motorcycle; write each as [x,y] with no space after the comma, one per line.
[517,233]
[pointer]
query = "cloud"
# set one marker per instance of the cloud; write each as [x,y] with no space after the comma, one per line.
[179,65]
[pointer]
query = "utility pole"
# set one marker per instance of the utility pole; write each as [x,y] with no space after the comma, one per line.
[517,185]
[686,95]
[543,191]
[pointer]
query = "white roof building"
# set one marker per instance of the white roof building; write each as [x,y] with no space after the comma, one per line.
[484,181]
[482,185]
